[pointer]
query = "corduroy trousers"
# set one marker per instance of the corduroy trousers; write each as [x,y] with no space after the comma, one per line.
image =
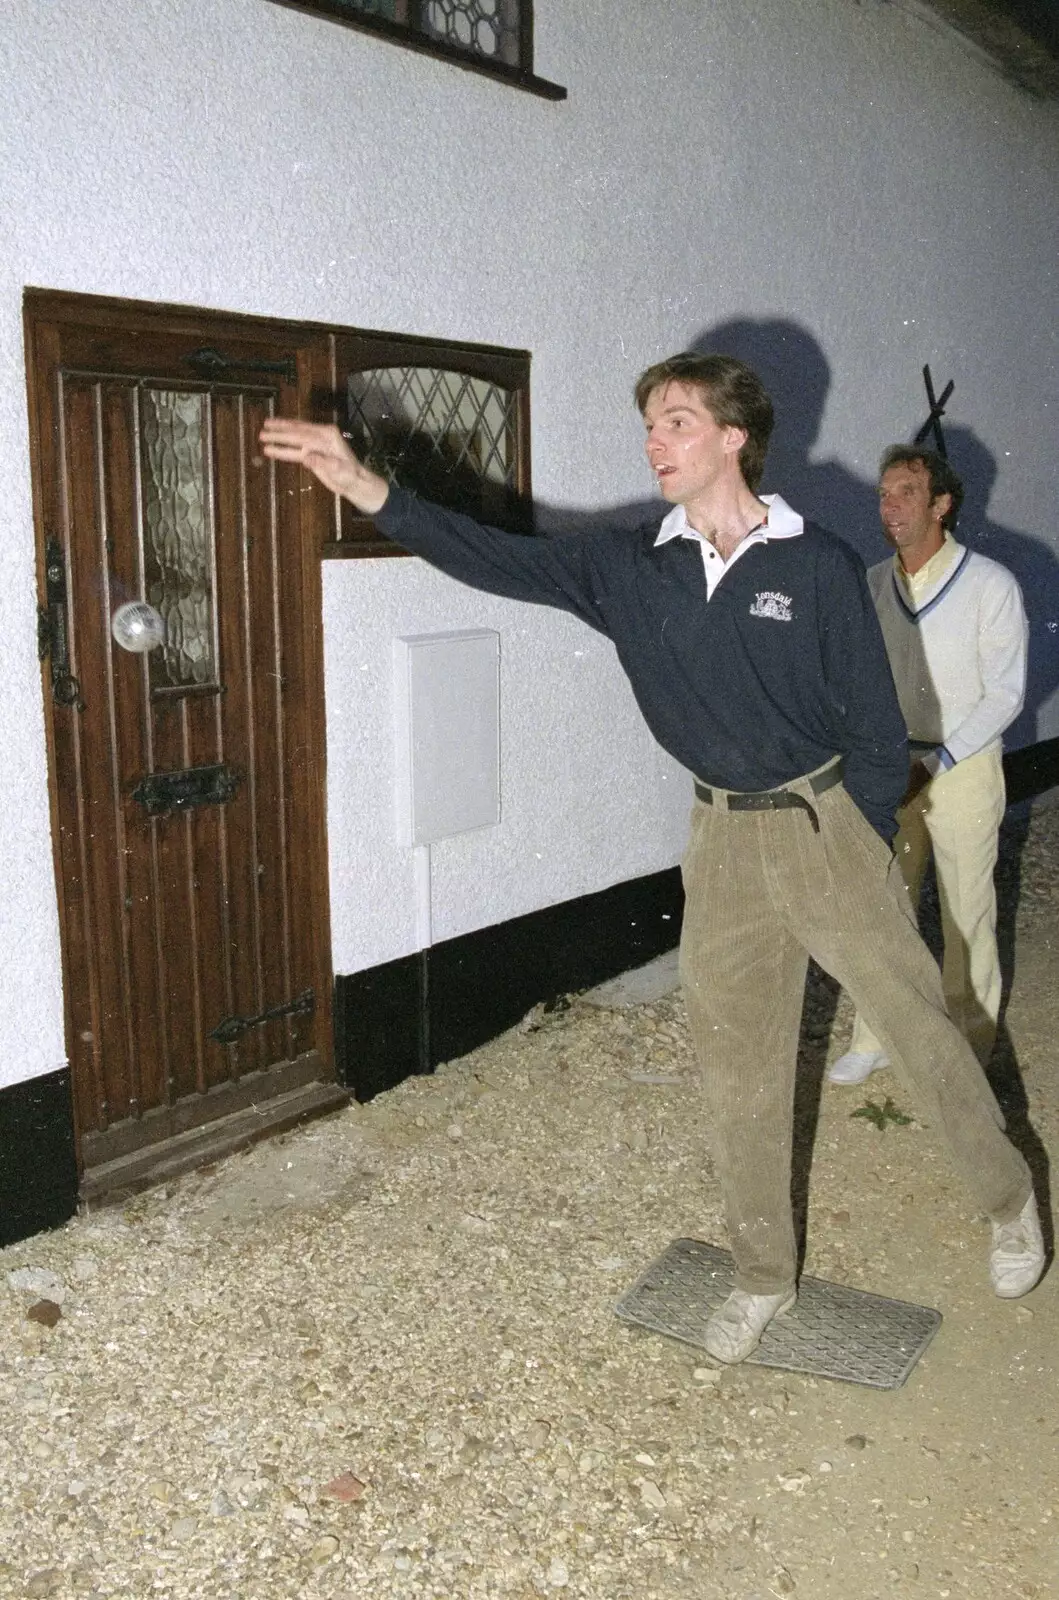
[764,891]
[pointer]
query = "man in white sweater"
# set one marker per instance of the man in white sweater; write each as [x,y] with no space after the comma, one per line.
[956,634]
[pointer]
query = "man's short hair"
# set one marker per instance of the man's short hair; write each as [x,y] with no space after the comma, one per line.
[731,391]
[943,480]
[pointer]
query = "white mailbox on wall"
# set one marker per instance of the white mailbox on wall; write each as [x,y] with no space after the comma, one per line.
[447,726]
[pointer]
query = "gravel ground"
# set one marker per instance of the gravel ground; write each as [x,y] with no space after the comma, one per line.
[378,1356]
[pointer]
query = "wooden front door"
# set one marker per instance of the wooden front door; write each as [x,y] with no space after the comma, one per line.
[187,781]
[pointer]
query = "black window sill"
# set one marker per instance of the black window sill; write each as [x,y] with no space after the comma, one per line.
[397,33]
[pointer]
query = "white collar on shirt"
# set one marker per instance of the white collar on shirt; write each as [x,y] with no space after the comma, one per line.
[783,523]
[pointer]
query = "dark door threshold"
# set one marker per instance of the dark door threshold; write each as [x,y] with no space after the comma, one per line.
[112,1181]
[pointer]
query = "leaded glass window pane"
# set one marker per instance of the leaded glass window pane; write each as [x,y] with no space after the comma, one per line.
[178,535]
[487,28]
[449,436]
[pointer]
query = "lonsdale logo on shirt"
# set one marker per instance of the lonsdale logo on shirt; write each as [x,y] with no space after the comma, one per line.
[769,603]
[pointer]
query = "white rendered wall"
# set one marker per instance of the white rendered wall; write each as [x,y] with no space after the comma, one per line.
[850,169]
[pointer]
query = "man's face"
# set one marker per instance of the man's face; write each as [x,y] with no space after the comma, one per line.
[911,519]
[688,452]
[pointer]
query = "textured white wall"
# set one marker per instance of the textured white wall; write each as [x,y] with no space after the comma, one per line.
[850,168]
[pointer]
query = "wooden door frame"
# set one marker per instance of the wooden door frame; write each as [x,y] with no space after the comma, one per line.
[314,357]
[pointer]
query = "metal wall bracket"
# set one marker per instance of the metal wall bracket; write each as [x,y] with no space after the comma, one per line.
[53,640]
[233,1028]
[162,792]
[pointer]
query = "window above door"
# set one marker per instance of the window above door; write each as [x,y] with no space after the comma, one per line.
[448,421]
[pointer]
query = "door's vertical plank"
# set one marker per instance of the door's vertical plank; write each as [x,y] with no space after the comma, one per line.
[142,832]
[284,602]
[317,366]
[86,478]
[266,690]
[175,872]
[169,872]
[295,536]
[238,521]
[206,715]
[84,1042]
[119,567]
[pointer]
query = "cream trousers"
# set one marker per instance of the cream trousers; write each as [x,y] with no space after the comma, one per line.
[958,815]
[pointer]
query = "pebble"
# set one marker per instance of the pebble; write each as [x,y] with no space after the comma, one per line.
[40,1282]
[45,1582]
[46,1312]
[558,1574]
[652,1496]
[345,1488]
[324,1549]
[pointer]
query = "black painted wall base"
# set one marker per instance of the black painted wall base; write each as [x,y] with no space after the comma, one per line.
[38,1171]
[408,1015]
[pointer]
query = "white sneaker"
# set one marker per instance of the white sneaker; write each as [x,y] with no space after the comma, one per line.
[1016,1260]
[735,1330]
[856,1065]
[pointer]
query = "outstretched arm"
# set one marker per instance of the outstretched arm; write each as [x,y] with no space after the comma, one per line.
[321,448]
[551,572]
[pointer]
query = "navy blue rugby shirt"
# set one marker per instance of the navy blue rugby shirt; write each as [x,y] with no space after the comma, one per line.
[783,668]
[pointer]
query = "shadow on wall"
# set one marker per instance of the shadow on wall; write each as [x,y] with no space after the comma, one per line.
[797,374]
[1032,561]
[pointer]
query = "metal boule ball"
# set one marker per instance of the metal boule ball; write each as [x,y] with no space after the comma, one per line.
[137,626]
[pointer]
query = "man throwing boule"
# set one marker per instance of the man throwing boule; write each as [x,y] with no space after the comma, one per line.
[754,652]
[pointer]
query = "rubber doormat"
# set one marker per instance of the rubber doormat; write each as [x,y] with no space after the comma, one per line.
[833,1332]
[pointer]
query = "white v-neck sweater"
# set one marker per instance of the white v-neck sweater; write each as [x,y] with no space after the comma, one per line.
[957,651]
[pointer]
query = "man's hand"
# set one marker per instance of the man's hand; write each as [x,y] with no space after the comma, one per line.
[321,448]
[918,778]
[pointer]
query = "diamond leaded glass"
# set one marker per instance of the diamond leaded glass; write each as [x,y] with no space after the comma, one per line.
[178,540]
[449,436]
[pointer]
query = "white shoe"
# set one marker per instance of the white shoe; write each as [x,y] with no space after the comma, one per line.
[856,1065]
[1016,1260]
[735,1330]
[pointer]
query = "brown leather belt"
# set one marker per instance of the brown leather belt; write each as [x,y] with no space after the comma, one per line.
[782,799]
